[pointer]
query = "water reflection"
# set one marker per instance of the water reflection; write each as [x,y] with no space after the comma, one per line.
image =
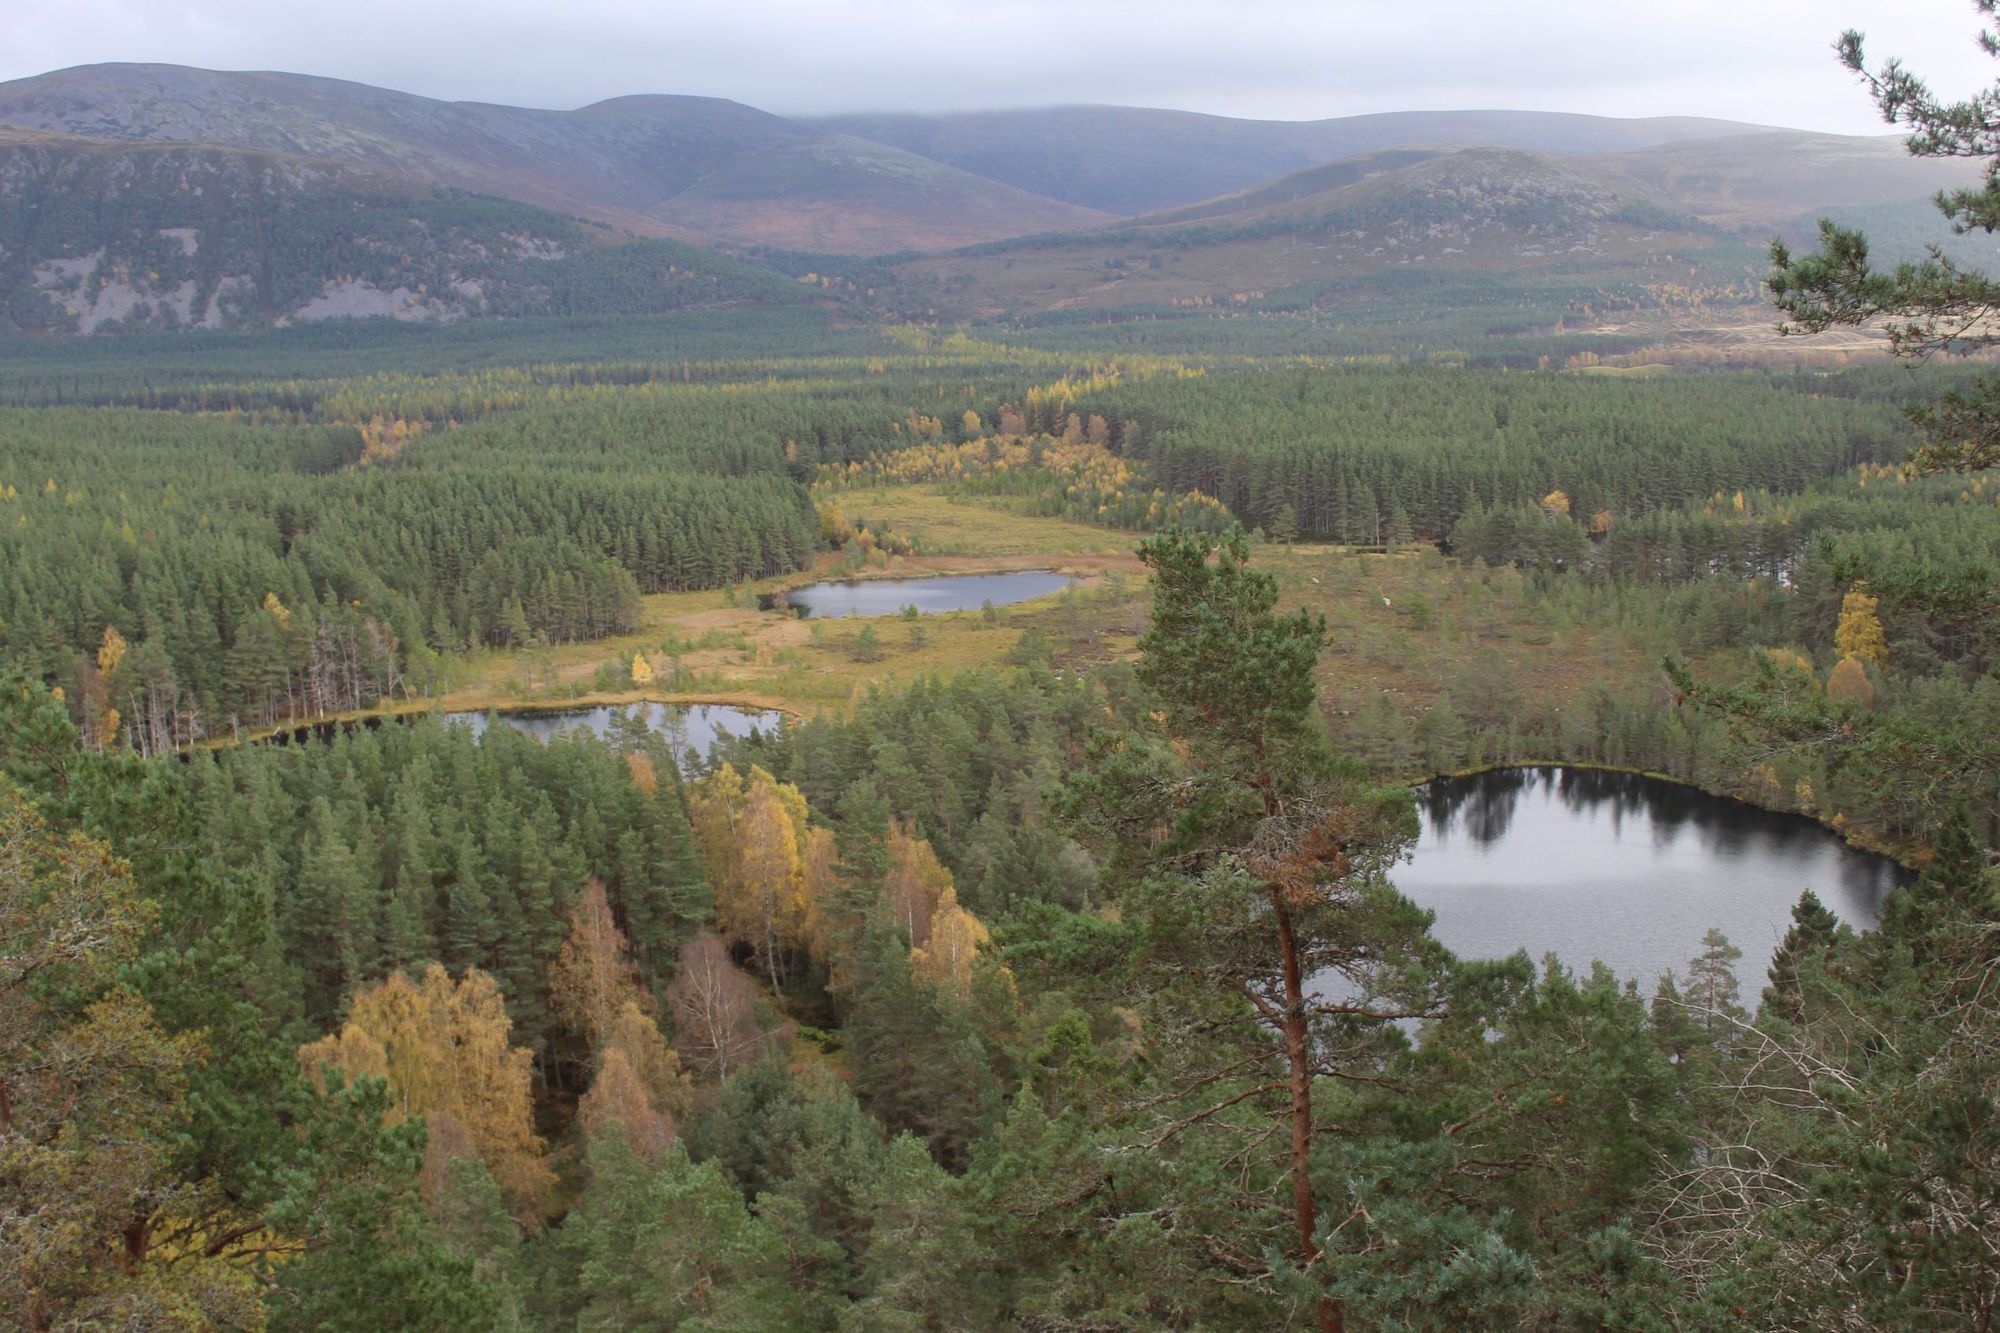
[1627,869]
[686,726]
[944,592]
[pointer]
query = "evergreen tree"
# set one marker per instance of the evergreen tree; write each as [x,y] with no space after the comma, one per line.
[1274,943]
[1928,306]
[1805,945]
[668,1243]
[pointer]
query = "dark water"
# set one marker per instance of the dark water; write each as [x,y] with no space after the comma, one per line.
[1626,869]
[687,726]
[944,592]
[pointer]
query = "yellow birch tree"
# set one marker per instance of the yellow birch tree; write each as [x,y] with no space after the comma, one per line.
[1859,633]
[956,936]
[444,1048]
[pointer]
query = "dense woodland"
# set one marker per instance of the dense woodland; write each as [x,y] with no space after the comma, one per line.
[1384,455]
[981,1002]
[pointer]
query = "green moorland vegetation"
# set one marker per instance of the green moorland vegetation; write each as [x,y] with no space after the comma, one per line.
[976,996]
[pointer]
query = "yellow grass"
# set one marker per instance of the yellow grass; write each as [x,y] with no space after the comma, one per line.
[727,651]
[717,647]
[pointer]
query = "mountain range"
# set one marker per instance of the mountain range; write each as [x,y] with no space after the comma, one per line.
[159,195]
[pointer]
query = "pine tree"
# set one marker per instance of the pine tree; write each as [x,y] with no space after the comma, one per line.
[470,936]
[1254,862]
[1811,934]
[91,1092]
[1929,306]
[922,1264]
[370,1258]
[326,927]
[657,1244]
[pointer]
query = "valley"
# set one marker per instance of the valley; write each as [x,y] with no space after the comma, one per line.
[662,716]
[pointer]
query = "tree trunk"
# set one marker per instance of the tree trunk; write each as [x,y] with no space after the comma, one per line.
[1298,1056]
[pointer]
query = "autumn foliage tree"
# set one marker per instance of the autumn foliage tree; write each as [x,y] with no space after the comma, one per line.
[1849,683]
[945,959]
[639,1084]
[916,883]
[592,979]
[443,1046]
[759,845]
[88,1082]
[1859,633]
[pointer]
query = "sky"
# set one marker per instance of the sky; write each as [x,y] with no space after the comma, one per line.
[1764,61]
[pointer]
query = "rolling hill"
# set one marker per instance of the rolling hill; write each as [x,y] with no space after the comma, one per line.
[1483,210]
[162,196]
[1678,222]
[1133,160]
[98,236]
[1752,183]
[691,167]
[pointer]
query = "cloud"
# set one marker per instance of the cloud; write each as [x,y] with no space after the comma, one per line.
[1761,60]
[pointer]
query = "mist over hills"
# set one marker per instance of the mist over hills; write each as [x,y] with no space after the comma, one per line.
[656,165]
[164,196]
[1133,160]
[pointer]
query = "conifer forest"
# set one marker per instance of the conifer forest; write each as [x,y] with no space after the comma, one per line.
[1004,962]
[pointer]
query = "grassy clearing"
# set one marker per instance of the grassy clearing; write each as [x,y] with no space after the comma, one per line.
[944,526]
[1410,623]
[718,647]
[1406,623]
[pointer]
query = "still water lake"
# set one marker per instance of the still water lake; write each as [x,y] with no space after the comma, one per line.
[944,592]
[1613,866]
[687,726]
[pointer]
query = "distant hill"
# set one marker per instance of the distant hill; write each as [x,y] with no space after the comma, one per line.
[1133,160]
[1684,221]
[1485,210]
[97,236]
[692,167]
[1755,182]
[1436,199]
[163,196]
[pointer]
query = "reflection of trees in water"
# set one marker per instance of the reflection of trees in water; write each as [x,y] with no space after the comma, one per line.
[1485,802]
[1485,806]
[673,724]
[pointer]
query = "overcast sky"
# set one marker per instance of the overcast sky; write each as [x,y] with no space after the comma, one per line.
[1767,61]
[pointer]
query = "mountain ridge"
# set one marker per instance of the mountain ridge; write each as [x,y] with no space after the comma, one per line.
[624,161]
[1083,153]
[1656,199]
[105,236]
